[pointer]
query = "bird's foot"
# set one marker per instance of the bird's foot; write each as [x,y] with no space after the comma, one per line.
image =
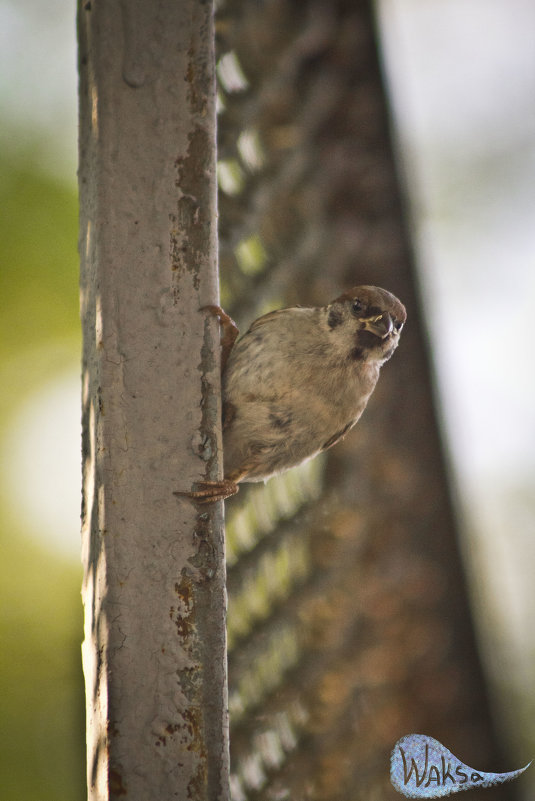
[210,491]
[230,331]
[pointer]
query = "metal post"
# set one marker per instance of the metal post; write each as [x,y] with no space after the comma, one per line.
[154,587]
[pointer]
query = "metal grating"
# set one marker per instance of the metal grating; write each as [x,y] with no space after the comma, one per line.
[348,618]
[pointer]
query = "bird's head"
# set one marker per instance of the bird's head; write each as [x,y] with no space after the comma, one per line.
[368,321]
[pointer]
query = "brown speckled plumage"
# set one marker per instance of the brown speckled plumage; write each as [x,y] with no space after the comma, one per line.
[298,381]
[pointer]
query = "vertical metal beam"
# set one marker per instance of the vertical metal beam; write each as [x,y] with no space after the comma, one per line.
[154,585]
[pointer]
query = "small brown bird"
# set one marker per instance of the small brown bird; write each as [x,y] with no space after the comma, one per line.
[298,381]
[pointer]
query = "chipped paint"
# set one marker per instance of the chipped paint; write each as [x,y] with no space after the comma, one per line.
[191,235]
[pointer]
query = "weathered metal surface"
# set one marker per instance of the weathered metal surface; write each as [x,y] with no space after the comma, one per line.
[154,586]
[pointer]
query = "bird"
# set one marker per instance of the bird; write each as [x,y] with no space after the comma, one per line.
[297,382]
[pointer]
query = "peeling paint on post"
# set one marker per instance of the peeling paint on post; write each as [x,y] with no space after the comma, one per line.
[154,586]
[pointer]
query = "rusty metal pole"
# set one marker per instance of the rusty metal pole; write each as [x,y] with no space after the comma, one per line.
[154,586]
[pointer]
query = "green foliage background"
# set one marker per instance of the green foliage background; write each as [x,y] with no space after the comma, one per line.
[41,685]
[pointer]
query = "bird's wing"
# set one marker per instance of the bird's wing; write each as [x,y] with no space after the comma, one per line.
[270,316]
[338,436]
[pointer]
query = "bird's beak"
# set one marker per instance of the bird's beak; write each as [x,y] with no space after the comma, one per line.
[380,325]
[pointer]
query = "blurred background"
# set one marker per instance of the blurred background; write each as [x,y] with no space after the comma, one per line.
[462,81]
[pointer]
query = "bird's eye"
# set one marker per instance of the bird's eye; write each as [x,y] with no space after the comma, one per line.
[398,325]
[356,306]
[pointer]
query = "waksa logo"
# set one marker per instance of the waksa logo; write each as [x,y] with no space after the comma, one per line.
[421,767]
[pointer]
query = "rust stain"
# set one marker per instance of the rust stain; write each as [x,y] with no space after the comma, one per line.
[171,728]
[183,590]
[198,782]
[117,787]
[194,722]
[183,626]
[184,616]
[193,718]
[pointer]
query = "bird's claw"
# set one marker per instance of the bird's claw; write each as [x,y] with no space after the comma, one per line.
[230,331]
[210,491]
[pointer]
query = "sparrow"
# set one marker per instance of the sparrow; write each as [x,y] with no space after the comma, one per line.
[297,382]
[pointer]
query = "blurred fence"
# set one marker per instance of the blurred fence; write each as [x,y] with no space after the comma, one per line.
[348,617]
